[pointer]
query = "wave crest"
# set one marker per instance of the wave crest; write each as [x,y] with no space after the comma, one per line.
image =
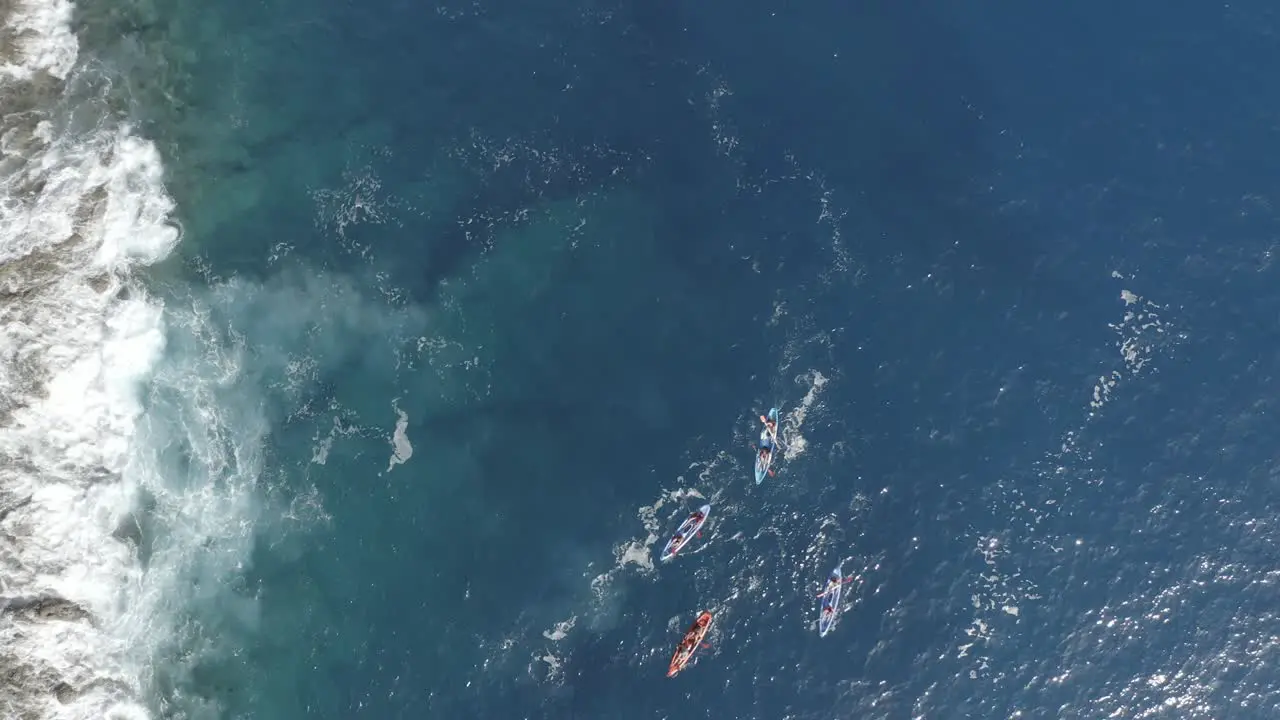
[82,205]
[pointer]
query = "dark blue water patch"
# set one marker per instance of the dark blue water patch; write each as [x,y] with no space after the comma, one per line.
[879,102]
[1152,86]
[922,215]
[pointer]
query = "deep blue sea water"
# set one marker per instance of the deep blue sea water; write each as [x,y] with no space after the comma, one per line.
[1006,271]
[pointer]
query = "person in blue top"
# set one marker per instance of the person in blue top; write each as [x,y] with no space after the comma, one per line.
[766,440]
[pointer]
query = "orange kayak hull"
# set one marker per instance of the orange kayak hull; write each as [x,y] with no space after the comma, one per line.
[689,645]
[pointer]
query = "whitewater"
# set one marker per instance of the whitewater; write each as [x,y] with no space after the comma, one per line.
[96,526]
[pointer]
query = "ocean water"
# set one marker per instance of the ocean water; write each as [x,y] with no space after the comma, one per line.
[358,359]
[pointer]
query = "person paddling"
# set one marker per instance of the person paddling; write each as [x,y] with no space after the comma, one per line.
[767,443]
[834,583]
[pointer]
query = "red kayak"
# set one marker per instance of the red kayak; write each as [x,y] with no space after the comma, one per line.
[689,645]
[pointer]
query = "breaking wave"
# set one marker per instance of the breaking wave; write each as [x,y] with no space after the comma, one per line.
[100,435]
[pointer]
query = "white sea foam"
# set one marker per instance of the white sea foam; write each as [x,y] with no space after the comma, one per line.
[1141,332]
[80,209]
[796,443]
[401,449]
[561,629]
[42,40]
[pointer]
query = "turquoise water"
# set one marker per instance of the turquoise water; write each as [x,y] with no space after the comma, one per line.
[507,287]
[473,303]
